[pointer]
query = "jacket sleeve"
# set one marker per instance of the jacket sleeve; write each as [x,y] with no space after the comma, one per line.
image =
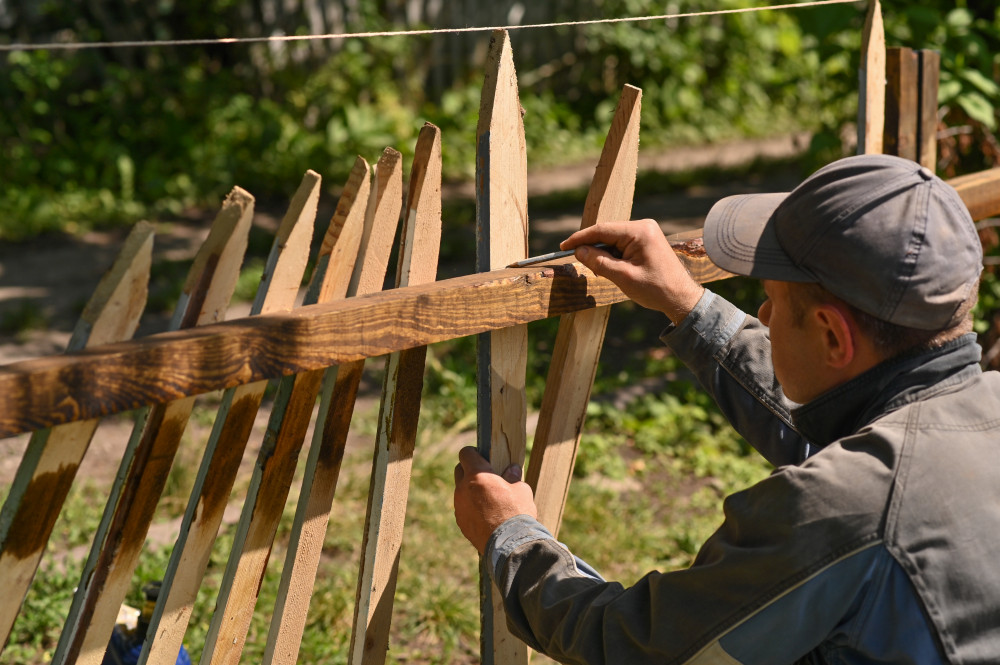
[762,590]
[729,352]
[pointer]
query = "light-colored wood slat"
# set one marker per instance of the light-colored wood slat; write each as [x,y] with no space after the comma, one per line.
[322,470]
[221,460]
[286,432]
[398,416]
[501,239]
[980,192]
[581,334]
[52,457]
[929,66]
[150,451]
[901,107]
[871,84]
[44,392]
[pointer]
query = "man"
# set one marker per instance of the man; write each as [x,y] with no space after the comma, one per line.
[875,539]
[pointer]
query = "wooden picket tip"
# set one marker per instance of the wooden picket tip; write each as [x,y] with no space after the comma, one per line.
[871,88]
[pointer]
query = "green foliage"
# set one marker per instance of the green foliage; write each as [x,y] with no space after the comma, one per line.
[706,78]
[965,33]
[100,137]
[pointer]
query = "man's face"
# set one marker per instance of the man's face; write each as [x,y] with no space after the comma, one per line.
[795,351]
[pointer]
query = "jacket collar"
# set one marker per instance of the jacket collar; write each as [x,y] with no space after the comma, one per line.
[886,387]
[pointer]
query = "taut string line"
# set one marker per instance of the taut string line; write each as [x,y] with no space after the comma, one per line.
[66,46]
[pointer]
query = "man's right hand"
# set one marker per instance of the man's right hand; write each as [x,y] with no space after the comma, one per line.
[648,271]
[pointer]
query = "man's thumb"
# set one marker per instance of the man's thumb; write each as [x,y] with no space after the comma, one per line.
[512,473]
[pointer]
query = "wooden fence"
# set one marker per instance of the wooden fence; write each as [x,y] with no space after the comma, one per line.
[318,351]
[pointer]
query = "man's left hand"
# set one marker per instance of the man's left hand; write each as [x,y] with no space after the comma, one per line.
[484,499]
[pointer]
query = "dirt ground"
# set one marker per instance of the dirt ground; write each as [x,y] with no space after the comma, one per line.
[53,277]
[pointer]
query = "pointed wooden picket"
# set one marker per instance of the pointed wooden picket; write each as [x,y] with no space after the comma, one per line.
[501,239]
[871,83]
[290,416]
[52,457]
[221,460]
[322,470]
[398,416]
[581,334]
[150,451]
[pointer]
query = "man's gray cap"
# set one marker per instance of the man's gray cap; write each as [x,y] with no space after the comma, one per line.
[882,233]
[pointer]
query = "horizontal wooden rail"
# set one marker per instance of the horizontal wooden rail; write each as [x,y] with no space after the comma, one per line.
[980,191]
[43,392]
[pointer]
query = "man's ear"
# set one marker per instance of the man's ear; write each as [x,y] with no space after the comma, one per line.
[838,335]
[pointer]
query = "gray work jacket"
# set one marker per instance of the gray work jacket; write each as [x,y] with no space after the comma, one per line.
[876,540]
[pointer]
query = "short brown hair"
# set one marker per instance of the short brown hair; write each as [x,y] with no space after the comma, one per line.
[889,339]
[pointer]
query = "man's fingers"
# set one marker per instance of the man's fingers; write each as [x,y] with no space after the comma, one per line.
[471,461]
[609,233]
[602,263]
[459,473]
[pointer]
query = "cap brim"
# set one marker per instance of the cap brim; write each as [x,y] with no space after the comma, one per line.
[740,237]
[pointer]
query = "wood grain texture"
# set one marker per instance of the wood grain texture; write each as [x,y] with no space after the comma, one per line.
[501,239]
[309,526]
[286,433]
[929,72]
[44,392]
[150,451]
[326,452]
[50,462]
[189,559]
[381,220]
[901,106]
[871,83]
[980,192]
[398,416]
[581,334]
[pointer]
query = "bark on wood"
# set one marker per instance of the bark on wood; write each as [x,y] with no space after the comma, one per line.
[224,450]
[581,334]
[501,239]
[150,452]
[53,456]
